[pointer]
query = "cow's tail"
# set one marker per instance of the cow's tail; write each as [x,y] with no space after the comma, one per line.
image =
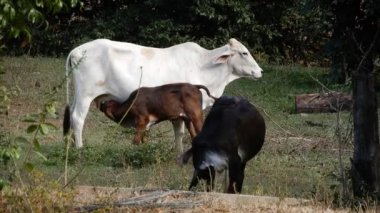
[69,69]
[207,91]
[66,118]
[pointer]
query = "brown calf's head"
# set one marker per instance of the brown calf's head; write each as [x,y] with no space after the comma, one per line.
[109,108]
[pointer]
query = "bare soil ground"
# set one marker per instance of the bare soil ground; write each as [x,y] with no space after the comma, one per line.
[89,198]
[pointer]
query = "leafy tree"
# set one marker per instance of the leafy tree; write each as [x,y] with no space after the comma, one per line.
[18,18]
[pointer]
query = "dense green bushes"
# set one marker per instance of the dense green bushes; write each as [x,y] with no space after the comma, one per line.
[276,31]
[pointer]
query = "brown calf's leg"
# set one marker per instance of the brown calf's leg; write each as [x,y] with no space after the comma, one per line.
[140,129]
[196,118]
[190,128]
[138,136]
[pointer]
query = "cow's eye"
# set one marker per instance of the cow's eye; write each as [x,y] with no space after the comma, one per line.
[244,53]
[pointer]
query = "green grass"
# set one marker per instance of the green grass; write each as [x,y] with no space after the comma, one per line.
[297,160]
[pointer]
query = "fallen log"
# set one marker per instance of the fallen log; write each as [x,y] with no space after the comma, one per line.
[323,102]
[107,199]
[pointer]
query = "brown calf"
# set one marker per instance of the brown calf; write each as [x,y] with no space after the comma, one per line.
[175,102]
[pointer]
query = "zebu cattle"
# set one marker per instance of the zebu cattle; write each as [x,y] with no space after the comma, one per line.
[109,67]
[232,134]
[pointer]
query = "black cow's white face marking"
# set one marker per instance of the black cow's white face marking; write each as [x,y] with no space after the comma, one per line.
[214,159]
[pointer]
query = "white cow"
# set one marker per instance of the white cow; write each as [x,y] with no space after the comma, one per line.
[108,67]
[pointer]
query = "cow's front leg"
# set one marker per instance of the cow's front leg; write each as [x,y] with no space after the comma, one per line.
[210,181]
[138,136]
[194,180]
[207,174]
[140,129]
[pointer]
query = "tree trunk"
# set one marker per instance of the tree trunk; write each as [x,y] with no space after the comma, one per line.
[365,166]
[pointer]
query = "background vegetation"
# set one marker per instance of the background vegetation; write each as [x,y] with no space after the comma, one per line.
[303,31]
[277,31]
[341,34]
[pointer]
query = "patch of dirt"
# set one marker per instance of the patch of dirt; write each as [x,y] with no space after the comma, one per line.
[91,198]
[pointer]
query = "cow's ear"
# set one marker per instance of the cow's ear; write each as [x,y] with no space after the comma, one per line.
[232,42]
[223,58]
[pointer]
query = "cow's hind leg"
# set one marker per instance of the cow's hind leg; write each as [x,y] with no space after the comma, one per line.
[190,128]
[240,178]
[179,132]
[196,118]
[78,115]
[236,175]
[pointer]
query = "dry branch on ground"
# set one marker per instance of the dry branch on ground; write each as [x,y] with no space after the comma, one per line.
[99,198]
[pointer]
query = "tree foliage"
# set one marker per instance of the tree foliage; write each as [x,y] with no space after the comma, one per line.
[349,41]
[275,30]
[19,18]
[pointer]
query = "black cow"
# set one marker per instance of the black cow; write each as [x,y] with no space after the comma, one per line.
[232,134]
